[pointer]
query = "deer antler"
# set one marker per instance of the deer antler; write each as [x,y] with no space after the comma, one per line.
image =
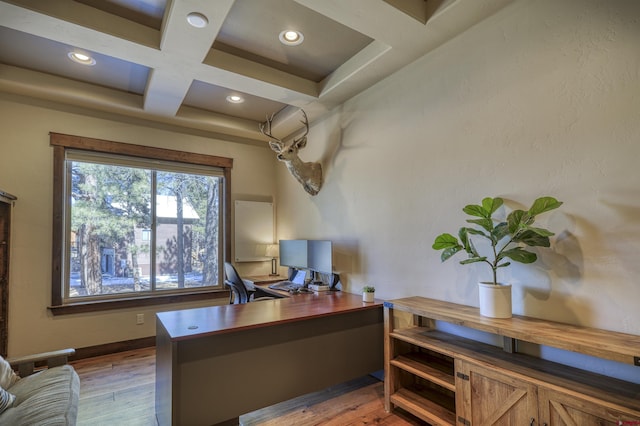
[301,142]
[265,128]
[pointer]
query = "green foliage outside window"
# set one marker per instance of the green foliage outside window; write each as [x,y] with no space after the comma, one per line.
[137,229]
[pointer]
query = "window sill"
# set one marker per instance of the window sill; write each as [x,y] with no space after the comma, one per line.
[135,302]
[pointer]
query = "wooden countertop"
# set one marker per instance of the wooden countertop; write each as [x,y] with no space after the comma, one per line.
[190,323]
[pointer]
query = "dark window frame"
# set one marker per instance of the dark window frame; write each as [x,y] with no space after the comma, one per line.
[60,143]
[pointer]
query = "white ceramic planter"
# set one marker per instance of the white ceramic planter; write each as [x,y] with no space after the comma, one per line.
[367,297]
[495,300]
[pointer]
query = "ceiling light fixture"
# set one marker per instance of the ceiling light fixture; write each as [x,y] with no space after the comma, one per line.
[197,20]
[235,99]
[81,58]
[291,37]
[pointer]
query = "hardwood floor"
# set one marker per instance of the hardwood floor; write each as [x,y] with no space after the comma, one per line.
[119,390]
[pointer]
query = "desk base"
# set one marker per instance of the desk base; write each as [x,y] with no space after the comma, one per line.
[214,379]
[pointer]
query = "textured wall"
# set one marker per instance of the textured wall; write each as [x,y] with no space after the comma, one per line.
[541,99]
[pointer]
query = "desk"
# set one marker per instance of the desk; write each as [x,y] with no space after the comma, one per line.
[244,357]
[265,279]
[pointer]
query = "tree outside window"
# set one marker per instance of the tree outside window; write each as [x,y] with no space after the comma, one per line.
[136,226]
[113,208]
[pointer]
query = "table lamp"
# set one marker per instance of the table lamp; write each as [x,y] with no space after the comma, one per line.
[273,252]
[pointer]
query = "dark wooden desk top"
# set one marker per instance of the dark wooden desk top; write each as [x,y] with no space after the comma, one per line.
[230,318]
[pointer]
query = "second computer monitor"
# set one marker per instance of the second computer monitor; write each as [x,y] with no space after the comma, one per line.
[320,256]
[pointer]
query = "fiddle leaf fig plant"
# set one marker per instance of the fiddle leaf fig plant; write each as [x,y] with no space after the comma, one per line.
[508,239]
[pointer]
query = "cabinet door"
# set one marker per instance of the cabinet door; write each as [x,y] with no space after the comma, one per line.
[494,397]
[557,408]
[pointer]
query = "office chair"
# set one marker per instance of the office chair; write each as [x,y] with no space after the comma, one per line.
[241,290]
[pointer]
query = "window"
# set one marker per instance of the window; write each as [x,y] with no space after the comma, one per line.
[136,222]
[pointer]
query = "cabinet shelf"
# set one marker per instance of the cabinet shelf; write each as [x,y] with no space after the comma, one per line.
[425,375]
[428,368]
[422,404]
[440,342]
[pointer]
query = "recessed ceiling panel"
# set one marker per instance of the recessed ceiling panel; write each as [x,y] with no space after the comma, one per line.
[327,44]
[144,12]
[214,98]
[38,54]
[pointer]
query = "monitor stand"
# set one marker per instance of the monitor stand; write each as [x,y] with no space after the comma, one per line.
[335,280]
[330,280]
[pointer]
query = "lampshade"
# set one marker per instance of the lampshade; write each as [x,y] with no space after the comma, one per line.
[272,250]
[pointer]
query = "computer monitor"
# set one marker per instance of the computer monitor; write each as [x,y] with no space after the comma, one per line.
[293,253]
[319,256]
[315,255]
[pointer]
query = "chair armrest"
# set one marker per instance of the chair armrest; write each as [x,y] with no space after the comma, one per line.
[25,365]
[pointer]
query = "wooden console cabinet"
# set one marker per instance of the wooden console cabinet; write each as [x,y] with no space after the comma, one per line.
[450,380]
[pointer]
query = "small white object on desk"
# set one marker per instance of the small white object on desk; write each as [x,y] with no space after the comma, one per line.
[318,287]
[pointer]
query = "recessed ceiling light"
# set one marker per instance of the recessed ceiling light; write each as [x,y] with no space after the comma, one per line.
[197,20]
[235,99]
[81,58]
[291,37]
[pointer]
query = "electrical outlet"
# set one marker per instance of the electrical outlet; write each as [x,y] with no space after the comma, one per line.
[140,319]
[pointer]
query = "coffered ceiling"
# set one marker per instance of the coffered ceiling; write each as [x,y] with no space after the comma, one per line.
[152,64]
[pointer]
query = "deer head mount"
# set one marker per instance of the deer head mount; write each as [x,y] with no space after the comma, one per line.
[308,174]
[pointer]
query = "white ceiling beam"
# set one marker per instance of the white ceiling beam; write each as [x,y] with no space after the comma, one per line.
[360,61]
[165,91]
[39,85]
[169,82]
[182,39]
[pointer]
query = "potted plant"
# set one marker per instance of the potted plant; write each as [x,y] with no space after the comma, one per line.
[368,293]
[508,241]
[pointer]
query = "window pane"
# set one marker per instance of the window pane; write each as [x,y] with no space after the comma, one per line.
[187,230]
[105,220]
[109,208]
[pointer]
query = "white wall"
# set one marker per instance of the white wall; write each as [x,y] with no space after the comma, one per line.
[541,99]
[26,161]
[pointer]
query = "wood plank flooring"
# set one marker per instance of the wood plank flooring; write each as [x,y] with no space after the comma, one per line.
[119,389]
